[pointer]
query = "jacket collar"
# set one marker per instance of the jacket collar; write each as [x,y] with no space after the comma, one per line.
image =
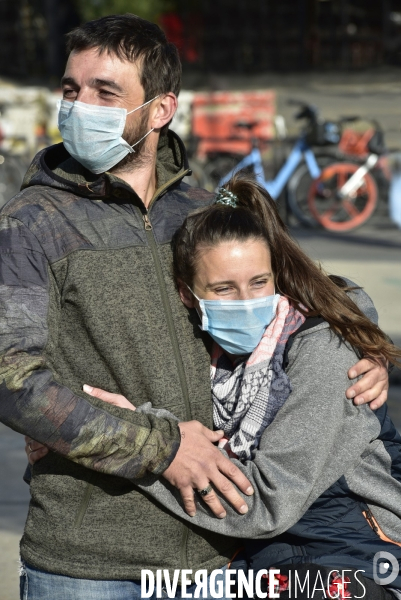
[54,167]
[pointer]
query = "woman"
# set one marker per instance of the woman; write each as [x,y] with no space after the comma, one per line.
[325,472]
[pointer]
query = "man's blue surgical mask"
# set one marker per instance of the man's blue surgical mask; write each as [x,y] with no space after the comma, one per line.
[238,325]
[92,134]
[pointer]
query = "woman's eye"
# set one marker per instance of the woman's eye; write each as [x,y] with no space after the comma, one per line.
[260,282]
[222,290]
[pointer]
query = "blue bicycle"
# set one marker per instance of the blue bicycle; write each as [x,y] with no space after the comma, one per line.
[301,157]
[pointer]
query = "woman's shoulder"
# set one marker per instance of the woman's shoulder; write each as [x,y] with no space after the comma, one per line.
[362,300]
[320,342]
[319,346]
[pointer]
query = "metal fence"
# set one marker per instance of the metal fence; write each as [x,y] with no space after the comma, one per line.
[230,36]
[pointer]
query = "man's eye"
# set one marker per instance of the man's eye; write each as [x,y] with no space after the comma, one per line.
[69,93]
[106,93]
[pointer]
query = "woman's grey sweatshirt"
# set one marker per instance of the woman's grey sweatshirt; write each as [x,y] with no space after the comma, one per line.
[317,436]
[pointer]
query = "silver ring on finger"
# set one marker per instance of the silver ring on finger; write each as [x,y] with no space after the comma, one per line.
[30,447]
[205,491]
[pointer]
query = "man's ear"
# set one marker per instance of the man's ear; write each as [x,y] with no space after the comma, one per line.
[186,295]
[164,110]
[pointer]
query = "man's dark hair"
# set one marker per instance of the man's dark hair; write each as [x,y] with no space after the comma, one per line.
[131,38]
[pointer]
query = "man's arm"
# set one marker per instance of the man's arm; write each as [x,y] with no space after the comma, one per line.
[35,403]
[83,428]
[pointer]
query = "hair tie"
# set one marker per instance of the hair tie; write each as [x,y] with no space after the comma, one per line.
[226,197]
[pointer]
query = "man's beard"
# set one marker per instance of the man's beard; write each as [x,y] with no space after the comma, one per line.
[140,156]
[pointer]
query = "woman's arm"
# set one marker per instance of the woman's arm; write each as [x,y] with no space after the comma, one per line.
[317,436]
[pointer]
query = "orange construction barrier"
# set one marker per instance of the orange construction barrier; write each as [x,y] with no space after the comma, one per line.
[215,114]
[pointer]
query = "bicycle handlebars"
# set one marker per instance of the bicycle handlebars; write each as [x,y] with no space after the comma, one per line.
[307,111]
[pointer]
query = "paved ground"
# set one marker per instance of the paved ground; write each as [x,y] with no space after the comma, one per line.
[371,257]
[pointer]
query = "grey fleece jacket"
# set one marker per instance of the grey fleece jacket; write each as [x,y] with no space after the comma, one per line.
[87,296]
[317,437]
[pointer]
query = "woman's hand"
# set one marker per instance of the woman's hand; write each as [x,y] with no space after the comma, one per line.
[35,450]
[116,399]
[372,387]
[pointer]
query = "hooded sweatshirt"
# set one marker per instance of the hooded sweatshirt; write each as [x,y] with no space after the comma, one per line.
[87,296]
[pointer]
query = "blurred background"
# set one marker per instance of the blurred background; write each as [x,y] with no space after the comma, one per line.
[215,35]
[304,93]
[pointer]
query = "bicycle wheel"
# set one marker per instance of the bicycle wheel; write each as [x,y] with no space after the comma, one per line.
[298,188]
[11,175]
[342,214]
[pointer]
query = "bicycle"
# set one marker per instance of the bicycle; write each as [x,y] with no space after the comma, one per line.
[326,202]
[301,152]
[350,192]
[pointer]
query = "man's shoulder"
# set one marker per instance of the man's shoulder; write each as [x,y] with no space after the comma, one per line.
[33,203]
[170,211]
[41,189]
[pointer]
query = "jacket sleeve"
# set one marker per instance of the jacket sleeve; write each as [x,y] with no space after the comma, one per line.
[316,437]
[33,402]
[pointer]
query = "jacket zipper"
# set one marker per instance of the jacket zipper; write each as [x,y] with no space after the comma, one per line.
[177,354]
[367,513]
[370,519]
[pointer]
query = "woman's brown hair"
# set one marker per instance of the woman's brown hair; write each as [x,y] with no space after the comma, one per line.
[297,277]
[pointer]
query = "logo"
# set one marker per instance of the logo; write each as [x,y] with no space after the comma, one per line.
[382,561]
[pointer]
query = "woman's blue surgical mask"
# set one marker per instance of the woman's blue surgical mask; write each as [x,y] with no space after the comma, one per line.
[92,134]
[237,325]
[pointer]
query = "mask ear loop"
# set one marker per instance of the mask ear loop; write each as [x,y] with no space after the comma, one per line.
[201,315]
[193,293]
[146,134]
[142,138]
[142,105]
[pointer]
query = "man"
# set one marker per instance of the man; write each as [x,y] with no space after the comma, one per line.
[87,298]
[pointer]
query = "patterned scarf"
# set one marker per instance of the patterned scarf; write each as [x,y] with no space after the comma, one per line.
[247,395]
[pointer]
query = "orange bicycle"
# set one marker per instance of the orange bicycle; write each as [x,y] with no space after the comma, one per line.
[345,195]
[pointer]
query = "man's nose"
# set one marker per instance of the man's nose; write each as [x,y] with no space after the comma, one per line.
[87,96]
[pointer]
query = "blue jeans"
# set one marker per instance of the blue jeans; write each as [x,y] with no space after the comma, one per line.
[40,585]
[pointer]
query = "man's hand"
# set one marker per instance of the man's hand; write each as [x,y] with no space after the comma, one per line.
[373,386]
[198,464]
[34,450]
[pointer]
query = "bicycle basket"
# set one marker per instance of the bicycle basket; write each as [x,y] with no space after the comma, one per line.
[355,142]
[323,133]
